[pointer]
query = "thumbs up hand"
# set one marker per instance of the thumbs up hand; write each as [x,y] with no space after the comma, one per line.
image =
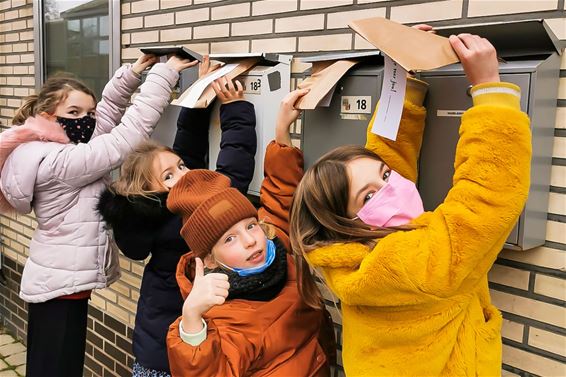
[208,291]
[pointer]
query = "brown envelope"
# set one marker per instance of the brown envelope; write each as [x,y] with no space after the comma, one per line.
[414,50]
[208,94]
[325,74]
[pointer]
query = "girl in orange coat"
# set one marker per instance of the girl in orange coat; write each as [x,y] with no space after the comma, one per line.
[243,314]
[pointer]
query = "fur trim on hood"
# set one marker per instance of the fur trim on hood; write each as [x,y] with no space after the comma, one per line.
[133,211]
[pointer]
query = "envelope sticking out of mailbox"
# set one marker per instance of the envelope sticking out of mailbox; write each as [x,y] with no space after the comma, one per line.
[413,49]
[326,71]
[200,94]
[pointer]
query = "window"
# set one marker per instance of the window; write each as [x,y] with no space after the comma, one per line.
[76,36]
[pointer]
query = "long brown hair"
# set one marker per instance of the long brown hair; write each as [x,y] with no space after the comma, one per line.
[53,92]
[136,174]
[319,214]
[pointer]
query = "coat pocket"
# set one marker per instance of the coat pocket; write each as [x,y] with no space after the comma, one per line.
[488,343]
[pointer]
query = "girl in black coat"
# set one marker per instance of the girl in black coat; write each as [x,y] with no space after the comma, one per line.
[134,207]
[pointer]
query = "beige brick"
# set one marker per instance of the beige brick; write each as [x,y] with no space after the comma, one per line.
[550,286]
[20,47]
[275,45]
[540,256]
[340,20]
[296,143]
[130,53]
[132,23]
[560,117]
[145,6]
[562,88]
[98,301]
[121,288]
[126,39]
[532,363]
[509,276]
[12,37]
[22,92]
[145,36]
[478,8]
[512,330]
[555,232]
[548,341]
[137,267]
[18,25]
[29,81]
[273,6]
[5,48]
[28,12]
[18,3]
[361,44]
[108,294]
[127,304]
[31,70]
[371,1]
[117,312]
[211,31]
[11,15]
[125,264]
[205,1]
[166,4]
[179,34]
[11,59]
[316,4]
[326,42]
[558,176]
[130,279]
[5,5]
[229,47]
[433,11]
[26,35]
[159,20]
[252,27]
[126,9]
[300,23]
[189,16]
[231,11]
[29,23]
[16,103]
[529,308]
[557,203]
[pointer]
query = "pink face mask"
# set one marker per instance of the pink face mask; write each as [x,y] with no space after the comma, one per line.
[396,203]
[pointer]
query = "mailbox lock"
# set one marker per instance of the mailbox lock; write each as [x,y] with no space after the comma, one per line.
[469,90]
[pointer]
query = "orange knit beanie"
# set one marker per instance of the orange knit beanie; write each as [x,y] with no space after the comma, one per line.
[208,206]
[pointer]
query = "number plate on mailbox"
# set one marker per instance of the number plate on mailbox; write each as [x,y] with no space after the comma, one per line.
[355,104]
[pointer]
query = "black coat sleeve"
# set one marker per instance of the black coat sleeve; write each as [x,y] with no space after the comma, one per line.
[191,140]
[238,144]
[135,245]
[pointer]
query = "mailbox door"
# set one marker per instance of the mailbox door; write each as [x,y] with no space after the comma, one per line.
[447,99]
[346,119]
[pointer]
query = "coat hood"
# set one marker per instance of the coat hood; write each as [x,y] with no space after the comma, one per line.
[132,211]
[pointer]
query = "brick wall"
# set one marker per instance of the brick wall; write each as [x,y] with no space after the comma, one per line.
[529,287]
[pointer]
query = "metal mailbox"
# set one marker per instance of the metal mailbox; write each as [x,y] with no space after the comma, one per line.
[531,61]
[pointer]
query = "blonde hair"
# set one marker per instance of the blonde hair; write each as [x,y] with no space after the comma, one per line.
[136,173]
[52,93]
[319,216]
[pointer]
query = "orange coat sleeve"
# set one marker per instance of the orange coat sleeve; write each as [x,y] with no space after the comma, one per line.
[283,170]
[228,356]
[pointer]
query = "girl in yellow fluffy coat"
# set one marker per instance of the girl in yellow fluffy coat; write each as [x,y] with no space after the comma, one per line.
[413,285]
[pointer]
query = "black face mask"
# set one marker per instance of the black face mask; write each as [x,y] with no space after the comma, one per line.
[78,130]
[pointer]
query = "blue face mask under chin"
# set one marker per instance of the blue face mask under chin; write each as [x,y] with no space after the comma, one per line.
[269,258]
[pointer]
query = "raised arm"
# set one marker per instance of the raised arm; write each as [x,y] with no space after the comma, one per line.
[402,155]
[283,167]
[78,165]
[191,139]
[117,93]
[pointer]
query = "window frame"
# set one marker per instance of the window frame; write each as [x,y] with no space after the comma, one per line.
[114,38]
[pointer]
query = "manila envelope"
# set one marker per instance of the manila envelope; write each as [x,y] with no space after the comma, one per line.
[415,50]
[208,94]
[325,74]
